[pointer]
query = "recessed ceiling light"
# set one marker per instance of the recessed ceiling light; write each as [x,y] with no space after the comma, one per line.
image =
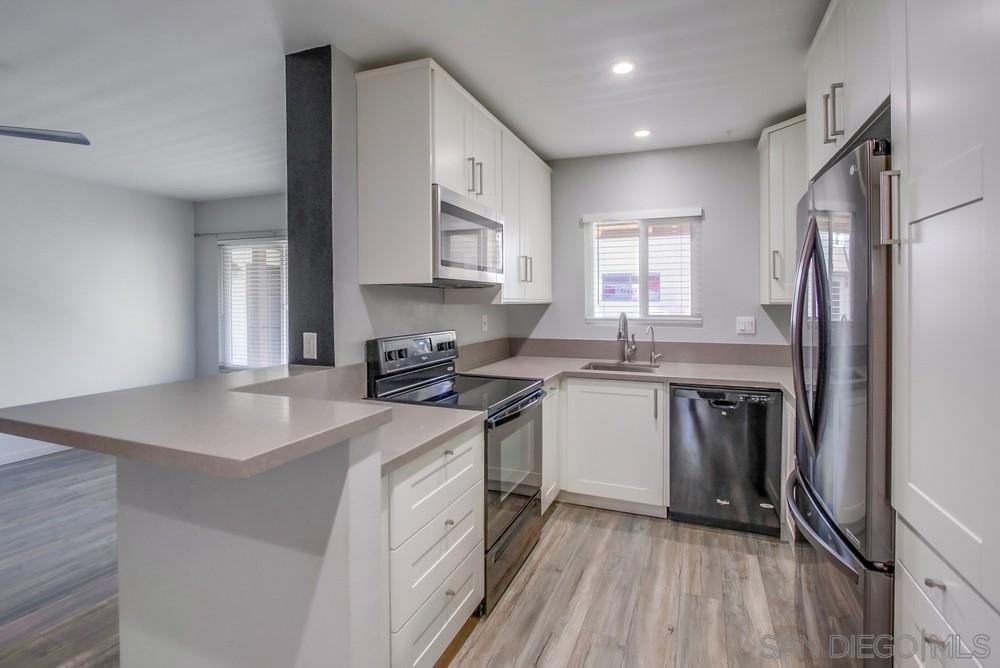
[622,67]
[642,133]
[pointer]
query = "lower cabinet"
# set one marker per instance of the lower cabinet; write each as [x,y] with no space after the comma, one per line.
[616,440]
[433,535]
[550,445]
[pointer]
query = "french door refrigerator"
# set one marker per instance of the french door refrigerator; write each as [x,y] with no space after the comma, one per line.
[838,495]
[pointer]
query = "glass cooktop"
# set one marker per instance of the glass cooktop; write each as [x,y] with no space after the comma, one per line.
[480,393]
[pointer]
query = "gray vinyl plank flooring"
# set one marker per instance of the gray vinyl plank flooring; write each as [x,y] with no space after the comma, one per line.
[611,589]
[58,562]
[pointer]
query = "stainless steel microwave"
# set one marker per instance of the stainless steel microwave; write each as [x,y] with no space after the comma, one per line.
[468,241]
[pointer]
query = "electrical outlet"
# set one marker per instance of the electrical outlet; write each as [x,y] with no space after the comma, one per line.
[746,325]
[309,345]
[486,323]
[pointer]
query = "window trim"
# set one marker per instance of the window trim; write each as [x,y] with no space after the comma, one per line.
[644,218]
[238,239]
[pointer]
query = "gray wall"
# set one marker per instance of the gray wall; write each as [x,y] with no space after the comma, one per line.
[720,178]
[225,216]
[96,291]
[361,313]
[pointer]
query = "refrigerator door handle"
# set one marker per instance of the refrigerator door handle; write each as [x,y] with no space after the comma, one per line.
[843,559]
[798,319]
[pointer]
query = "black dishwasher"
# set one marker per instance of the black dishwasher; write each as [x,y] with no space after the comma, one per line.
[725,457]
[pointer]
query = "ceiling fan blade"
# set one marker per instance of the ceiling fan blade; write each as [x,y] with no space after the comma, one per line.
[45,135]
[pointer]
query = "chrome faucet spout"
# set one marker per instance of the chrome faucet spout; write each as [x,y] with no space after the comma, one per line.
[628,348]
[653,355]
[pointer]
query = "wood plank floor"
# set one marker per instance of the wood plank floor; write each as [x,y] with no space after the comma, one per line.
[58,564]
[611,589]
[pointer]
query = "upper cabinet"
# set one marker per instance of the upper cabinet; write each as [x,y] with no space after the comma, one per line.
[526,208]
[847,75]
[783,182]
[416,127]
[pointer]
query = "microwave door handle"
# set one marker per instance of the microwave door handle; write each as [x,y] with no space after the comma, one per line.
[798,319]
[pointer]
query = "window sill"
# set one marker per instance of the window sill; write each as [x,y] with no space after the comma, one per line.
[692,321]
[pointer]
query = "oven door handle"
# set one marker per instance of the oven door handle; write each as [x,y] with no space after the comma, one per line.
[515,411]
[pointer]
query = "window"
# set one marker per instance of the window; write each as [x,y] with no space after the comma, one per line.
[661,254]
[253,303]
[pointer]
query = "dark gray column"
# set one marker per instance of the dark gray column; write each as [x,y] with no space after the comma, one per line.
[309,132]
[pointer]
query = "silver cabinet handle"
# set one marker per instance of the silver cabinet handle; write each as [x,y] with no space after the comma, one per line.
[656,403]
[448,453]
[479,166]
[449,523]
[827,139]
[522,268]
[450,593]
[935,584]
[472,174]
[776,264]
[889,196]
[932,639]
[834,132]
[531,269]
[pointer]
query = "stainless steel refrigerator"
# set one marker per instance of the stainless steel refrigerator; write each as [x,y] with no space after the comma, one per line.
[838,496]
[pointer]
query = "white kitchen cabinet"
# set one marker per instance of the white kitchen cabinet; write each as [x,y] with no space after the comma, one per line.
[847,75]
[945,312]
[616,440]
[416,126]
[550,445]
[527,211]
[825,75]
[783,182]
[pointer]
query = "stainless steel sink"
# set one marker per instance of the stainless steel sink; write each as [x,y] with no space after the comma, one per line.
[621,366]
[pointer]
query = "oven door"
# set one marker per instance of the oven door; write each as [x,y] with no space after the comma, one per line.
[468,248]
[513,463]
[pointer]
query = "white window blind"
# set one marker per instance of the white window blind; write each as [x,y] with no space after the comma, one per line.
[663,254]
[253,303]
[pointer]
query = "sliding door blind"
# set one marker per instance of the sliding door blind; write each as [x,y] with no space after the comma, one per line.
[662,255]
[253,303]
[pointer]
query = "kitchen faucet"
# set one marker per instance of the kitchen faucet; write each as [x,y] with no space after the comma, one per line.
[653,355]
[628,349]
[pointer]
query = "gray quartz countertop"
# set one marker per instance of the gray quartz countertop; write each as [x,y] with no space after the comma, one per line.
[204,425]
[416,429]
[551,369]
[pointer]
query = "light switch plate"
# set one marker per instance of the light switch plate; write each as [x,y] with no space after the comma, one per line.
[746,325]
[309,345]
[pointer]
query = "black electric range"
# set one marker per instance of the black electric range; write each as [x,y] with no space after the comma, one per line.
[420,369]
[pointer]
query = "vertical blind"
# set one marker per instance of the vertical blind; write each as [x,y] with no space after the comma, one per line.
[663,255]
[253,303]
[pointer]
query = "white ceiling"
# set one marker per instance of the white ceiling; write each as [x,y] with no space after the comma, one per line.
[185,97]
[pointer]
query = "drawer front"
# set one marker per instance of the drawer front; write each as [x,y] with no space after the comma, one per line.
[923,637]
[422,563]
[419,490]
[961,607]
[424,638]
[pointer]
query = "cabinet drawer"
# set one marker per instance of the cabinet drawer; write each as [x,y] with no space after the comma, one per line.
[923,637]
[419,490]
[959,605]
[422,563]
[422,640]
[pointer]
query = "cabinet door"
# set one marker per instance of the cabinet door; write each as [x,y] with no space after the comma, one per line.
[866,61]
[945,310]
[550,446]
[615,443]
[536,226]
[825,68]
[786,184]
[486,151]
[452,167]
[514,269]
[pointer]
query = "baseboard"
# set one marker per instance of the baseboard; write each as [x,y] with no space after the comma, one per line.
[612,504]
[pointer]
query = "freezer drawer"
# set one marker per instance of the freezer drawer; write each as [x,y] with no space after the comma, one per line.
[725,457]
